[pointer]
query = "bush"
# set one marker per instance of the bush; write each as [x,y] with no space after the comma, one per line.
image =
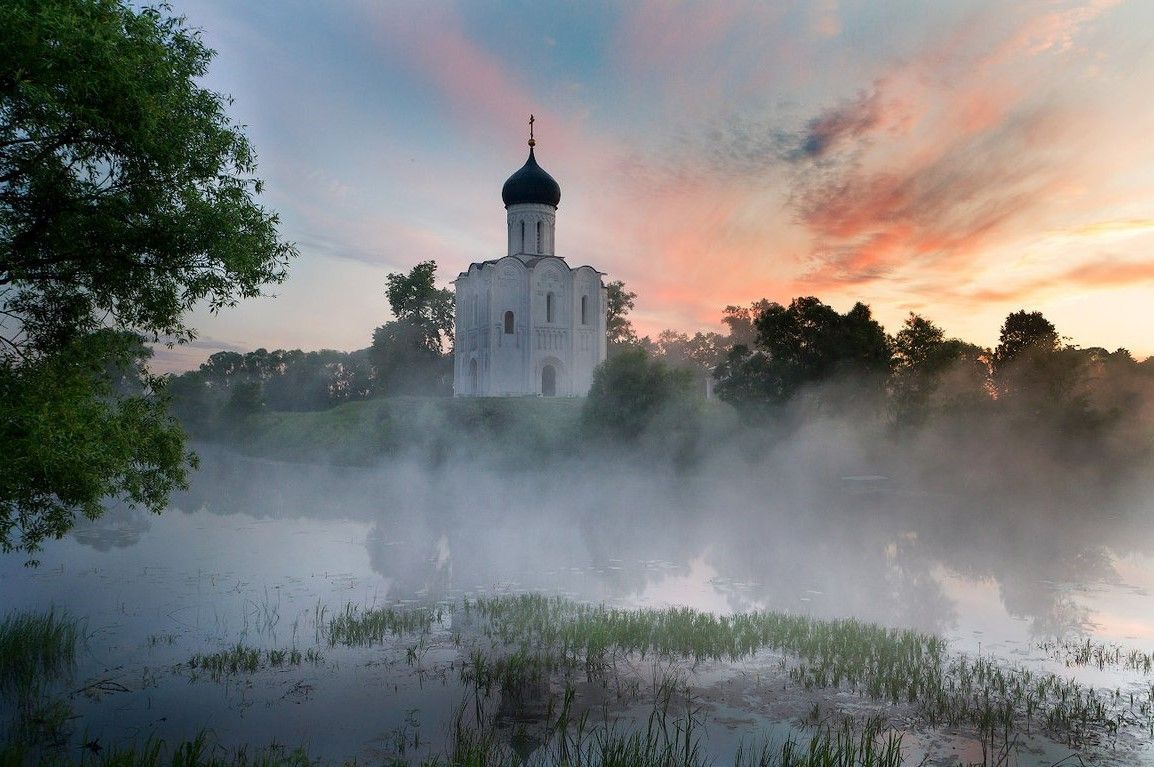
[631,390]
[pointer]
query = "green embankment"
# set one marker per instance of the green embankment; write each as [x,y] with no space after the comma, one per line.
[500,430]
[430,428]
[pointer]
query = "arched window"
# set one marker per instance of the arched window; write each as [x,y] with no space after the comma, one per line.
[539,238]
[584,310]
[509,323]
[548,307]
[522,236]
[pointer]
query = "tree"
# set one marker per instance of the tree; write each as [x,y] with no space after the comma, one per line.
[931,371]
[1037,375]
[806,344]
[408,352]
[739,320]
[918,345]
[699,353]
[230,385]
[414,299]
[1024,332]
[630,389]
[126,197]
[618,303]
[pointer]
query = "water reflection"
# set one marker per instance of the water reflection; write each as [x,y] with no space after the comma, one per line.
[118,528]
[869,547]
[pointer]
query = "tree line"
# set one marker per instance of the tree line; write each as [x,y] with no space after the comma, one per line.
[808,359]
[801,357]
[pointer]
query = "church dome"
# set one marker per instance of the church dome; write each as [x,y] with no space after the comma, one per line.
[531,184]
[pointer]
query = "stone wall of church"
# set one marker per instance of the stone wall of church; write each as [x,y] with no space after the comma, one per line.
[531,229]
[528,329]
[509,320]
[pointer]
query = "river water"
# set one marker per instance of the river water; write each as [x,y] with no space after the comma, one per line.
[259,552]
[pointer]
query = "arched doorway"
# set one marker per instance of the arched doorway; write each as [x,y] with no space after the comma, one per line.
[549,381]
[474,384]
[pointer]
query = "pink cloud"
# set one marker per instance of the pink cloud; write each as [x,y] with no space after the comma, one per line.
[985,157]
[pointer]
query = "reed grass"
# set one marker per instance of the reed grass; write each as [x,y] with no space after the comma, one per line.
[893,666]
[830,746]
[358,626]
[1102,655]
[36,647]
[248,660]
[670,737]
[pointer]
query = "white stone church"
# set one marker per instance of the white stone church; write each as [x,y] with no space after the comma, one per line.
[528,323]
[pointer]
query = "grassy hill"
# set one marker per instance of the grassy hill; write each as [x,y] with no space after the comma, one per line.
[502,429]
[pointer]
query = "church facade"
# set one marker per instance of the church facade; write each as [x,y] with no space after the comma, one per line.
[528,323]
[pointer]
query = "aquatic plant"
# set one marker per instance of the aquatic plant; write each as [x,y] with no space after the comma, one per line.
[670,737]
[888,665]
[249,660]
[871,745]
[357,626]
[35,647]
[1082,653]
[593,635]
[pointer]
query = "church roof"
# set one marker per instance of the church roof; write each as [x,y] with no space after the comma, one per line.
[531,184]
[529,264]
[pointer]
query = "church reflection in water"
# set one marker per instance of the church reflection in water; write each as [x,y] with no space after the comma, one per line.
[870,549]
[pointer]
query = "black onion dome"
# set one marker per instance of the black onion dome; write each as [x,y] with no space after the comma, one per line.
[531,184]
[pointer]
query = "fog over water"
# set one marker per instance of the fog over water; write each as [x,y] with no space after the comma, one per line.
[833,522]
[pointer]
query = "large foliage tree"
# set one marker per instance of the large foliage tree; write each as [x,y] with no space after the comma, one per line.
[415,299]
[408,353]
[1023,333]
[739,320]
[1035,371]
[931,371]
[618,303]
[126,196]
[806,344]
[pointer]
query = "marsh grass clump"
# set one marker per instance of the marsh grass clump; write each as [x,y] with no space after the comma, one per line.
[361,627]
[1100,655]
[596,633]
[248,660]
[35,647]
[888,665]
[671,736]
[846,745]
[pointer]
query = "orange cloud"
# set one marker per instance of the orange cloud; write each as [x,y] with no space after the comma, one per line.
[983,156]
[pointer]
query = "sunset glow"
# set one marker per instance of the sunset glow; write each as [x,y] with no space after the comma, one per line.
[960,160]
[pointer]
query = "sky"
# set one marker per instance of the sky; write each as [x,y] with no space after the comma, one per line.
[961,160]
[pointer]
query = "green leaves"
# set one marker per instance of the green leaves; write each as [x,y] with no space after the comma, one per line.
[415,300]
[631,389]
[127,196]
[618,303]
[71,443]
[125,190]
[802,345]
[408,353]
